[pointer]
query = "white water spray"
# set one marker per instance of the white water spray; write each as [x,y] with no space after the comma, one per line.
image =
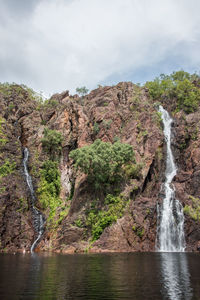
[170,233]
[38,218]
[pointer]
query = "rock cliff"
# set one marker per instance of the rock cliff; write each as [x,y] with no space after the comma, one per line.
[124,112]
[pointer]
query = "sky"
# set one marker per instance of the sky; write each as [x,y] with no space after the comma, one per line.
[57,45]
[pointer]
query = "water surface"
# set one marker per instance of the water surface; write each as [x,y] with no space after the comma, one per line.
[135,276]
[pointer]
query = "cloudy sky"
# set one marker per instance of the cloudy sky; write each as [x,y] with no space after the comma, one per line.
[54,45]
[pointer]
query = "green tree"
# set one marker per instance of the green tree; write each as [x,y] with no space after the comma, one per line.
[82,91]
[180,86]
[52,142]
[103,162]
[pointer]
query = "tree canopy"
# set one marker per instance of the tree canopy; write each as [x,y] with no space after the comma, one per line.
[82,91]
[103,161]
[179,85]
[51,142]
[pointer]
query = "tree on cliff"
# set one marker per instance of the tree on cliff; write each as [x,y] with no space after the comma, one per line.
[52,142]
[103,162]
[82,91]
[179,85]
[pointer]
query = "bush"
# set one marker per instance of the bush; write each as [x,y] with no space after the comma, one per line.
[193,210]
[179,85]
[49,187]
[98,220]
[7,168]
[52,142]
[96,128]
[103,162]
[133,171]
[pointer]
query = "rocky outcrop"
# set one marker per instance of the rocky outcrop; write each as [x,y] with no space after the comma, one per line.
[123,112]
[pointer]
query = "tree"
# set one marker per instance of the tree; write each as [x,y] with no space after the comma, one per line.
[180,86]
[103,162]
[52,142]
[82,91]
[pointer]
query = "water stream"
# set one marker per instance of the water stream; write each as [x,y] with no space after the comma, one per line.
[170,232]
[38,218]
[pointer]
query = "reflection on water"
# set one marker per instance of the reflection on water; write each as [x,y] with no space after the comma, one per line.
[175,276]
[133,276]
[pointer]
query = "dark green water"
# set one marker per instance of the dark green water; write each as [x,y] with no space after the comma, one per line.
[135,276]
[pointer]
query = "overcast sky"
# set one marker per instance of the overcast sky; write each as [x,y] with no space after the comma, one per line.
[55,45]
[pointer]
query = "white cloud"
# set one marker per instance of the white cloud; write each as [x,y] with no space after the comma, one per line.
[68,43]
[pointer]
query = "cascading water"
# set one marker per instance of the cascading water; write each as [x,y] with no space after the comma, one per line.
[170,232]
[38,218]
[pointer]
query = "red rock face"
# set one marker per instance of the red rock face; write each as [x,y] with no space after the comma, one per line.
[122,112]
[187,143]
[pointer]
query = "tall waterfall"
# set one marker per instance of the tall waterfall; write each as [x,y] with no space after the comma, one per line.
[170,232]
[38,218]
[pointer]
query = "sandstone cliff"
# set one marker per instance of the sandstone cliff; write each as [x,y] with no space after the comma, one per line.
[123,112]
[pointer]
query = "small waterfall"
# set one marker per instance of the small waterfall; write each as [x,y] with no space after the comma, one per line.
[38,218]
[170,232]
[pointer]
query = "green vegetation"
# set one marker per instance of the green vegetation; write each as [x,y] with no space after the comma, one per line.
[52,143]
[133,170]
[136,98]
[46,104]
[82,91]
[78,222]
[138,230]
[179,85]
[193,210]
[49,188]
[98,220]
[103,162]
[7,168]
[96,128]
[22,90]
[50,182]
[107,123]
[3,139]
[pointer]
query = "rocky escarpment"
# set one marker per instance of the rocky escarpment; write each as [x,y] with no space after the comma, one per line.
[124,112]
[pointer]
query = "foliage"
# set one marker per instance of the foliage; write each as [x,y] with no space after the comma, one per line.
[193,210]
[82,91]
[179,85]
[8,89]
[107,123]
[102,161]
[7,168]
[78,222]
[98,220]
[49,187]
[96,128]
[47,103]
[3,139]
[136,98]
[138,230]
[52,142]
[133,170]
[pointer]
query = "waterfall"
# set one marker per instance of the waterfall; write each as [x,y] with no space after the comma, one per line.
[170,232]
[38,218]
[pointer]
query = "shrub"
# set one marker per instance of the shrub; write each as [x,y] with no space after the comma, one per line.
[96,128]
[103,162]
[179,85]
[52,142]
[193,210]
[49,187]
[7,168]
[133,171]
[98,220]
